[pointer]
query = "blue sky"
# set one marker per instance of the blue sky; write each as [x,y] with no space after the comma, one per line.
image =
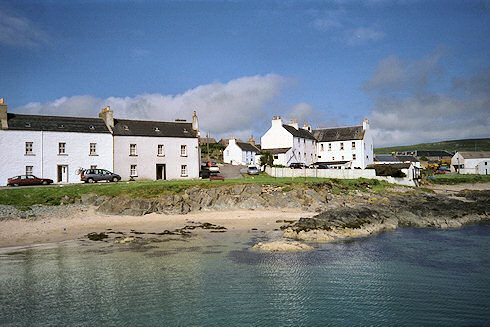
[419,70]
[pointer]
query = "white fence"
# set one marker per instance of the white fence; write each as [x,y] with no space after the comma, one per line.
[336,173]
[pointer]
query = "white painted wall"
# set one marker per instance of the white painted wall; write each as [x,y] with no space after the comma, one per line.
[13,160]
[479,166]
[235,155]
[45,158]
[147,158]
[77,153]
[276,137]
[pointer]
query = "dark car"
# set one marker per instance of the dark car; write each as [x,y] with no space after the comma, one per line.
[297,165]
[208,169]
[28,180]
[96,175]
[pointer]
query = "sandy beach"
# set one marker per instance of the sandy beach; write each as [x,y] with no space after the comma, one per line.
[19,232]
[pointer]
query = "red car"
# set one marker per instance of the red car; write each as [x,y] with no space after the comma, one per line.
[28,180]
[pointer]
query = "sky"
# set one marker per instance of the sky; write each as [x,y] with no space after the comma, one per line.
[418,70]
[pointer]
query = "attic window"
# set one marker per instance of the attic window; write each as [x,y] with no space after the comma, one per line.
[126,127]
[185,131]
[92,127]
[157,129]
[28,124]
[61,126]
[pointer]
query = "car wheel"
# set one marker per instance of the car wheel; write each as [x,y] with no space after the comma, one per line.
[91,180]
[115,180]
[45,183]
[15,184]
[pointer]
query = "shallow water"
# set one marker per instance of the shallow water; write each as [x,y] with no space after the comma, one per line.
[410,277]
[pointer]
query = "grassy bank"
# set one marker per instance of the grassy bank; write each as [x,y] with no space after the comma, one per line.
[25,197]
[459,179]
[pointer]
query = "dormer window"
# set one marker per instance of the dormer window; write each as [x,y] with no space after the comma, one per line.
[185,131]
[61,125]
[126,127]
[28,124]
[92,127]
[157,129]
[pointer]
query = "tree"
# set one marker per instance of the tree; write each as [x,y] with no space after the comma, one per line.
[266,159]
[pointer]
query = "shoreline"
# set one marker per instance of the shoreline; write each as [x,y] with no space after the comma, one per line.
[19,233]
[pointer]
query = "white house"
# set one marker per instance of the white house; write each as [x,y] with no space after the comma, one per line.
[475,162]
[345,146]
[240,153]
[56,147]
[52,147]
[289,144]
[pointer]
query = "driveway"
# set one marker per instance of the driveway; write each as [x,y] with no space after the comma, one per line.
[230,171]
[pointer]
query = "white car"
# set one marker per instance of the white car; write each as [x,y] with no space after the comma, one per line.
[253,170]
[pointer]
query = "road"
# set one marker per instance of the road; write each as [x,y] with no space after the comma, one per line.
[230,171]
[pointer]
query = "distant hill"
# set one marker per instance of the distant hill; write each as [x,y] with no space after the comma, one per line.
[451,146]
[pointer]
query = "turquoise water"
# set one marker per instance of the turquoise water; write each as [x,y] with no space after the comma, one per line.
[410,277]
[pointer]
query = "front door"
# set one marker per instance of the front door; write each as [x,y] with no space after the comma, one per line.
[62,174]
[160,171]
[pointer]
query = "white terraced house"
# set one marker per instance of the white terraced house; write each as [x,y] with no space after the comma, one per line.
[471,162]
[342,147]
[56,147]
[289,144]
[241,153]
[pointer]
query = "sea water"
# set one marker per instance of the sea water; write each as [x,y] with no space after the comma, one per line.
[409,277]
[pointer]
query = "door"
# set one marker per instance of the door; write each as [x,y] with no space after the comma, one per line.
[62,174]
[160,171]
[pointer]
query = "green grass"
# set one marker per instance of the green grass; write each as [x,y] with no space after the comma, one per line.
[26,197]
[451,146]
[459,179]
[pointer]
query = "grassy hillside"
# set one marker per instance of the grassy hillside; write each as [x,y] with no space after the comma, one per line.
[451,146]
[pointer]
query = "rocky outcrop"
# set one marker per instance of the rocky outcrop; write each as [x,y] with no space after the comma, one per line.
[219,198]
[407,210]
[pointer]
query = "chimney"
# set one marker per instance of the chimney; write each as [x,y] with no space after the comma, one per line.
[108,116]
[277,121]
[195,123]
[232,140]
[365,124]
[294,123]
[3,114]
[309,128]
[305,125]
[251,140]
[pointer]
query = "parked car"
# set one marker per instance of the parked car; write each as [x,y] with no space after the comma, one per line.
[439,172]
[320,166]
[297,165]
[253,170]
[96,175]
[28,180]
[209,168]
[212,167]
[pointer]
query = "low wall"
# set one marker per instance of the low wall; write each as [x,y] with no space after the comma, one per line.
[336,173]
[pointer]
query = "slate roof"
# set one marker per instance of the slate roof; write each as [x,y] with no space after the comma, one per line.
[299,132]
[475,154]
[404,158]
[332,163]
[400,165]
[277,150]
[385,158]
[339,134]
[247,147]
[126,127]
[56,124]
[205,140]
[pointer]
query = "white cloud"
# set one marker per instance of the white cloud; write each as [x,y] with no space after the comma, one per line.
[224,109]
[408,112]
[20,31]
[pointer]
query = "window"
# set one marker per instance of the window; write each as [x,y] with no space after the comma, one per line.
[227,152]
[321,147]
[353,145]
[333,158]
[93,167]
[329,146]
[304,141]
[29,148]
[299,154]
[341,145]
[183,150]
[183,170]
[132,171]
[93,149]
[160,152]
[132,150]
[28,170]
[276,156]
[61,148]
[354,156]
[342,157]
